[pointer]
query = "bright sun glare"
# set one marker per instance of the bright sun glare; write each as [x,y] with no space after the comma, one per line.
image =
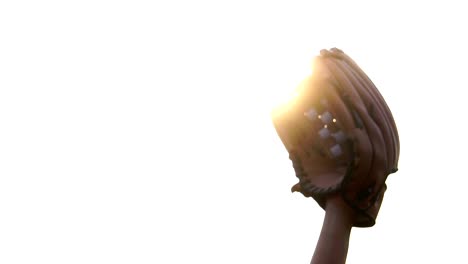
[286,88]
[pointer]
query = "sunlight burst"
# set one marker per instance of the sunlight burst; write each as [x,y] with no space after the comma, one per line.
[287,85]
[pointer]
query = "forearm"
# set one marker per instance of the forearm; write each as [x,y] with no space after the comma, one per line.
[332,246]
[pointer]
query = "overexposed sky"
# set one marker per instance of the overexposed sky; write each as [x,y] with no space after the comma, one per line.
[140,131]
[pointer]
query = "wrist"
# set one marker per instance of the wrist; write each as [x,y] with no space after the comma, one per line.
[338,212]
[333,243]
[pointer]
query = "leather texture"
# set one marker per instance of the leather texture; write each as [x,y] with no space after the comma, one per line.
[340,135]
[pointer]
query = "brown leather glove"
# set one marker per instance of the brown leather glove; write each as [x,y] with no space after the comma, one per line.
[340,135]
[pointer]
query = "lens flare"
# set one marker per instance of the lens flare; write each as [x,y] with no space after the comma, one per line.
[289,86]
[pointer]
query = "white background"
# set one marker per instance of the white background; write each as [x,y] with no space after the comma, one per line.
[140,131]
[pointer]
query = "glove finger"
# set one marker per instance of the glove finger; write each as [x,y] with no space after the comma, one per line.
[334,98]
[346,91]
[379,99]
[379,118]
[337,119]
[376,112]
[374,91]
[349,119]
[387,123]
[383,162]
[378,157]
[355,139]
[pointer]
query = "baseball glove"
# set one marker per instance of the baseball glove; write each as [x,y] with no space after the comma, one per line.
[340,135]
